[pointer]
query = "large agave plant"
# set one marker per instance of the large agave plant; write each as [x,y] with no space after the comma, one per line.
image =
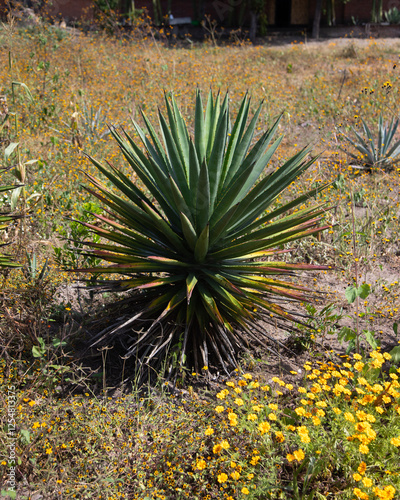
[5,218]
[195,235]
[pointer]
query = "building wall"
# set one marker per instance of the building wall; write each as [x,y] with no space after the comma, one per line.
[302,11]
[69,9]
[362,10]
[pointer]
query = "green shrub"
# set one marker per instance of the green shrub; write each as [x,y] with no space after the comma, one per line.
[197,246]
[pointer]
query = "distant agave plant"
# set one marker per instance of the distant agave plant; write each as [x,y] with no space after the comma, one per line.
[196,247]
[5,218]
[380,154]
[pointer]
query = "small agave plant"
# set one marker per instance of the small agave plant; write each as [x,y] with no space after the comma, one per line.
[195,237]
[5,219]
[380,154]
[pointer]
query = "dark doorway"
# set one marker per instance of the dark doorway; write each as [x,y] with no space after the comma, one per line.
[283,10]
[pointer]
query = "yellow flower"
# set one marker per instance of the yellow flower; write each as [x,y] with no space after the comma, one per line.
[359,366]
[219,409]
[272,416]
[299,455]
[235,475]
[360,494]
[337,411]
[201,464]
[230,384]
[245,491]
[239,402]
[222,394]
[290,457]
[362,426]
[49,450]
[252,417]
[209,431]
[300,411]
[387,493]
[222,478]
[367,482]
[225,444]
[349,416]
[279,436]
[273,406]
[357,477]
[250,476]
[395,441]
[316,420]
[363,448]
[357,356]
[255,460]
[264,427]
[35,425]
[217,449]
[362,468]
[247,376]
[302,430]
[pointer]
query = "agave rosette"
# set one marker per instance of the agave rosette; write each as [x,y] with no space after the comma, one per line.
[383,153]
[196,245]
